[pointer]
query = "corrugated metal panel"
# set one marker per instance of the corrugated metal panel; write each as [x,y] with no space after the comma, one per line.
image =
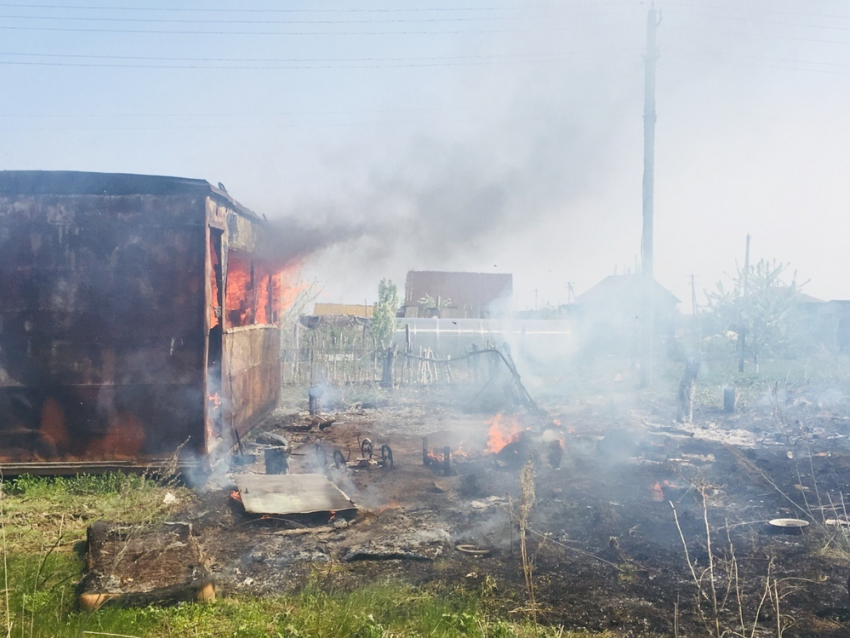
[101,331]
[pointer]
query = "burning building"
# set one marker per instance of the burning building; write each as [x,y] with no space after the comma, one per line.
[137,318]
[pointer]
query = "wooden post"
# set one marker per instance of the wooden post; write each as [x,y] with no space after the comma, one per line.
[742,330]
[687,386]
[730,399]
[276,460]
[389,358]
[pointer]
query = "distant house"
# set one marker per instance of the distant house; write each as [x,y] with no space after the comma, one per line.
[609,313]
[835,325]
[465,295]
[342,309]
[804,301]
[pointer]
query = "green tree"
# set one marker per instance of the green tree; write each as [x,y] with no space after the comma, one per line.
[760,303]
[432,307]
[384,313]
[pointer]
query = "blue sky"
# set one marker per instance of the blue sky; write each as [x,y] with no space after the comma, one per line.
[490,136]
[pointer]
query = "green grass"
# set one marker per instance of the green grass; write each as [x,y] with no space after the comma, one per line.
[44,520]
[37,511]
[374,612]
[816,372]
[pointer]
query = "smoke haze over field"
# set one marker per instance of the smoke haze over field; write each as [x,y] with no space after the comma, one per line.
[495,137]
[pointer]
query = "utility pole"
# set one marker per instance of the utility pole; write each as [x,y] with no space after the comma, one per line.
[693,296]
[742,330]
[696,325]
[647,272]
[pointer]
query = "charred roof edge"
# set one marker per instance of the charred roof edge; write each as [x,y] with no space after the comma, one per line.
[116,184]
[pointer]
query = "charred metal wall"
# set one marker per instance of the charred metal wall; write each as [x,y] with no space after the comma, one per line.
[250,370]
[251,373]
[102,305]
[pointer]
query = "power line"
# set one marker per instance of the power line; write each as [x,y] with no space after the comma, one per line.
[276,114]
[771,36]
[234,115]
[263,67]
[714,7]
[267,21]
[266,126]
[246,60]
[316,63]
[774,22]
[255,33]
[727,59]
[347,10]
[757,58]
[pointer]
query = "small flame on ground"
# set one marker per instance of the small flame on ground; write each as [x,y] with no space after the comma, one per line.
[503,430]
[236,496]
[460,451]
[437,457]
[392,504]
[658,489]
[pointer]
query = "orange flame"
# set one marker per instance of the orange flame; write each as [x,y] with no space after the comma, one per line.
[215,293]
[460,451]
[437,456]
[392,504]
[285,289]
[236,496]
[239,290]
[503,430]
[658,489]
[254,294]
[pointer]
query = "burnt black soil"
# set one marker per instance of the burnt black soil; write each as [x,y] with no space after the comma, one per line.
[606,548]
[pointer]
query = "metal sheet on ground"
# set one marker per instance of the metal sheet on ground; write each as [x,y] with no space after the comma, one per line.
[291,494]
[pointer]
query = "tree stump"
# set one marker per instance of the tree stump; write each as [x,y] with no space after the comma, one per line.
[730,399]
[141,565]
[687,387]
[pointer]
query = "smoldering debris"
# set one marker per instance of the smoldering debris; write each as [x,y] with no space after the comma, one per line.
[139,565]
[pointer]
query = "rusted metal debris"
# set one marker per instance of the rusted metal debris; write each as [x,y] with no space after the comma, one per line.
[367,458]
